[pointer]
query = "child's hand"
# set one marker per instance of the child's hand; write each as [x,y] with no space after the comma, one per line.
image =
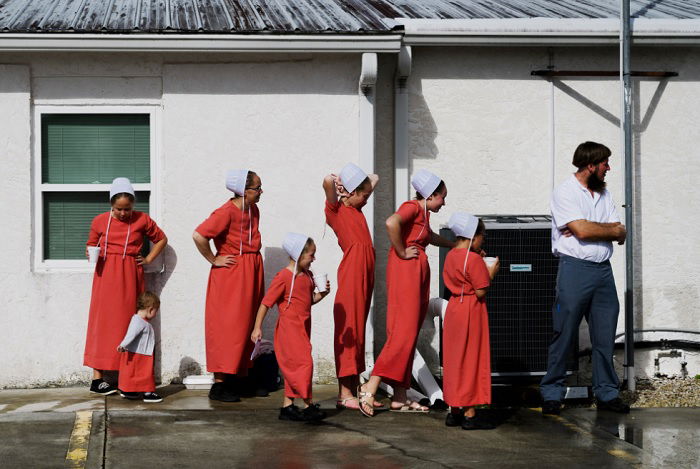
[328,289]
[121,349]
[256,334]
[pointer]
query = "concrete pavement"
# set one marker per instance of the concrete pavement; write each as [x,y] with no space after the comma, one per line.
[186,430]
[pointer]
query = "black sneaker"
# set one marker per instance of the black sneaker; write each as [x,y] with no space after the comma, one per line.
[313,413]
[292,413]
[551,408]
[100,386]
[475,423]
[454,420]
[613,405]
[130,395]
[152,397]
[219,392]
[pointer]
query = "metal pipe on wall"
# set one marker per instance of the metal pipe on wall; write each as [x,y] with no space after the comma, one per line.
[626,130]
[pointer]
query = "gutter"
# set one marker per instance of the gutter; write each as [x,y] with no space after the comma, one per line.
[59,42]
[545,31]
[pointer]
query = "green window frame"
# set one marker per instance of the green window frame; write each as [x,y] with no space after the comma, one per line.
[80,154]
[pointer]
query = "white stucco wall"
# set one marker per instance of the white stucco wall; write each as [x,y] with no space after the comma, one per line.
[293,119]
[481,122]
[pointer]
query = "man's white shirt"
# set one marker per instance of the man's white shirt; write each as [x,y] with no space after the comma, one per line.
[572,201]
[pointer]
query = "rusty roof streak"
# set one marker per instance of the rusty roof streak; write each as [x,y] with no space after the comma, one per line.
[299,16]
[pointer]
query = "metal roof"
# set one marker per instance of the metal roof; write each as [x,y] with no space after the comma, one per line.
[298,16]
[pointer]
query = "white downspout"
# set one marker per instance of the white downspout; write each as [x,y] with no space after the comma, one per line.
[401,170]
[367,96]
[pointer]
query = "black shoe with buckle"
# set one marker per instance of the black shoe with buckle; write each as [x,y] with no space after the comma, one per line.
[454,420]
[292,413]
[551,408]
[313,413]
[219,392]
[613,405]
[100,386]
[475,423]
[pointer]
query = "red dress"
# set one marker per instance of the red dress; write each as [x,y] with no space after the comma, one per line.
[116,284]
[293,330]
[466,355]
[136,372]
[355,285]
[233,293]
[408,290]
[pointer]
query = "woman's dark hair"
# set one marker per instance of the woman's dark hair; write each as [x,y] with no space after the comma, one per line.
[365,185]
[308,244]
[116,197]
[590,153]
[249,179]
[438,189]
[148,299]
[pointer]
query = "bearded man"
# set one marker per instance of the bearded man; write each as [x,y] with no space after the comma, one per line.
[584,225]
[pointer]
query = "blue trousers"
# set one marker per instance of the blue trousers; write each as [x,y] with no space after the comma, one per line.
[584,289]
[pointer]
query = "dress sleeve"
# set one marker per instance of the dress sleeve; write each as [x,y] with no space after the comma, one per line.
[95,232]
[275,292]
[408,212]
[565,208]
[217,223]
[478,273]
[153,232]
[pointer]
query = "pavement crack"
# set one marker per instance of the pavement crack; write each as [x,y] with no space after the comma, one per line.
[104,435]
[388,443]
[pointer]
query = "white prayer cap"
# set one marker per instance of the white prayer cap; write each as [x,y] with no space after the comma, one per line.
[352,176]
[463,224]
[120,186]
[294,244]
[235,180]
[425,182]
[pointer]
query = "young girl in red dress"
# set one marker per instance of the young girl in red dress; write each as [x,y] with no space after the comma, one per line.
[408,288]
[118,279]
[236,282]
[292,290]
[346,194]
[466,354]
[136,378]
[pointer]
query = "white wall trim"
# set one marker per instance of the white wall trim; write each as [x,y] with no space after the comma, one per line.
[26,42]
[47,266]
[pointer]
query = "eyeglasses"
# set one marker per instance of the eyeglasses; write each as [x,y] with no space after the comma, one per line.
[256,189]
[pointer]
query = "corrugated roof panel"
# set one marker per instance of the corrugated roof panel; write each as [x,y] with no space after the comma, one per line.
[300,16]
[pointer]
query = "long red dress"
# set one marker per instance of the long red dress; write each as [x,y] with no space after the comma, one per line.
[355,285]
[116,284]
[233,293]
[466,355]
[408,290]
[293,330]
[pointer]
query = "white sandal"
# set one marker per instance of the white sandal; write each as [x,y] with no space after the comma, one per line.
[362,397]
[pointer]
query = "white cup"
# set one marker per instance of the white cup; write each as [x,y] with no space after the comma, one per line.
[320,282]
[93,254]
[490,260]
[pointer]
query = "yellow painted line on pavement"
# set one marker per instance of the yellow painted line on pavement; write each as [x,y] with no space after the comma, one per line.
[618,453]
[76,457]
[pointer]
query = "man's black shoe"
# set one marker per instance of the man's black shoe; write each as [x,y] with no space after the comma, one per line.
[551,408]
[292,413]
[219,392]
[99,386]
[313,413]
[614,405]
[475,423]
[454,420]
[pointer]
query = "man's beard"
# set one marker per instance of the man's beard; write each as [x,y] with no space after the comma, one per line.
[595,184]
